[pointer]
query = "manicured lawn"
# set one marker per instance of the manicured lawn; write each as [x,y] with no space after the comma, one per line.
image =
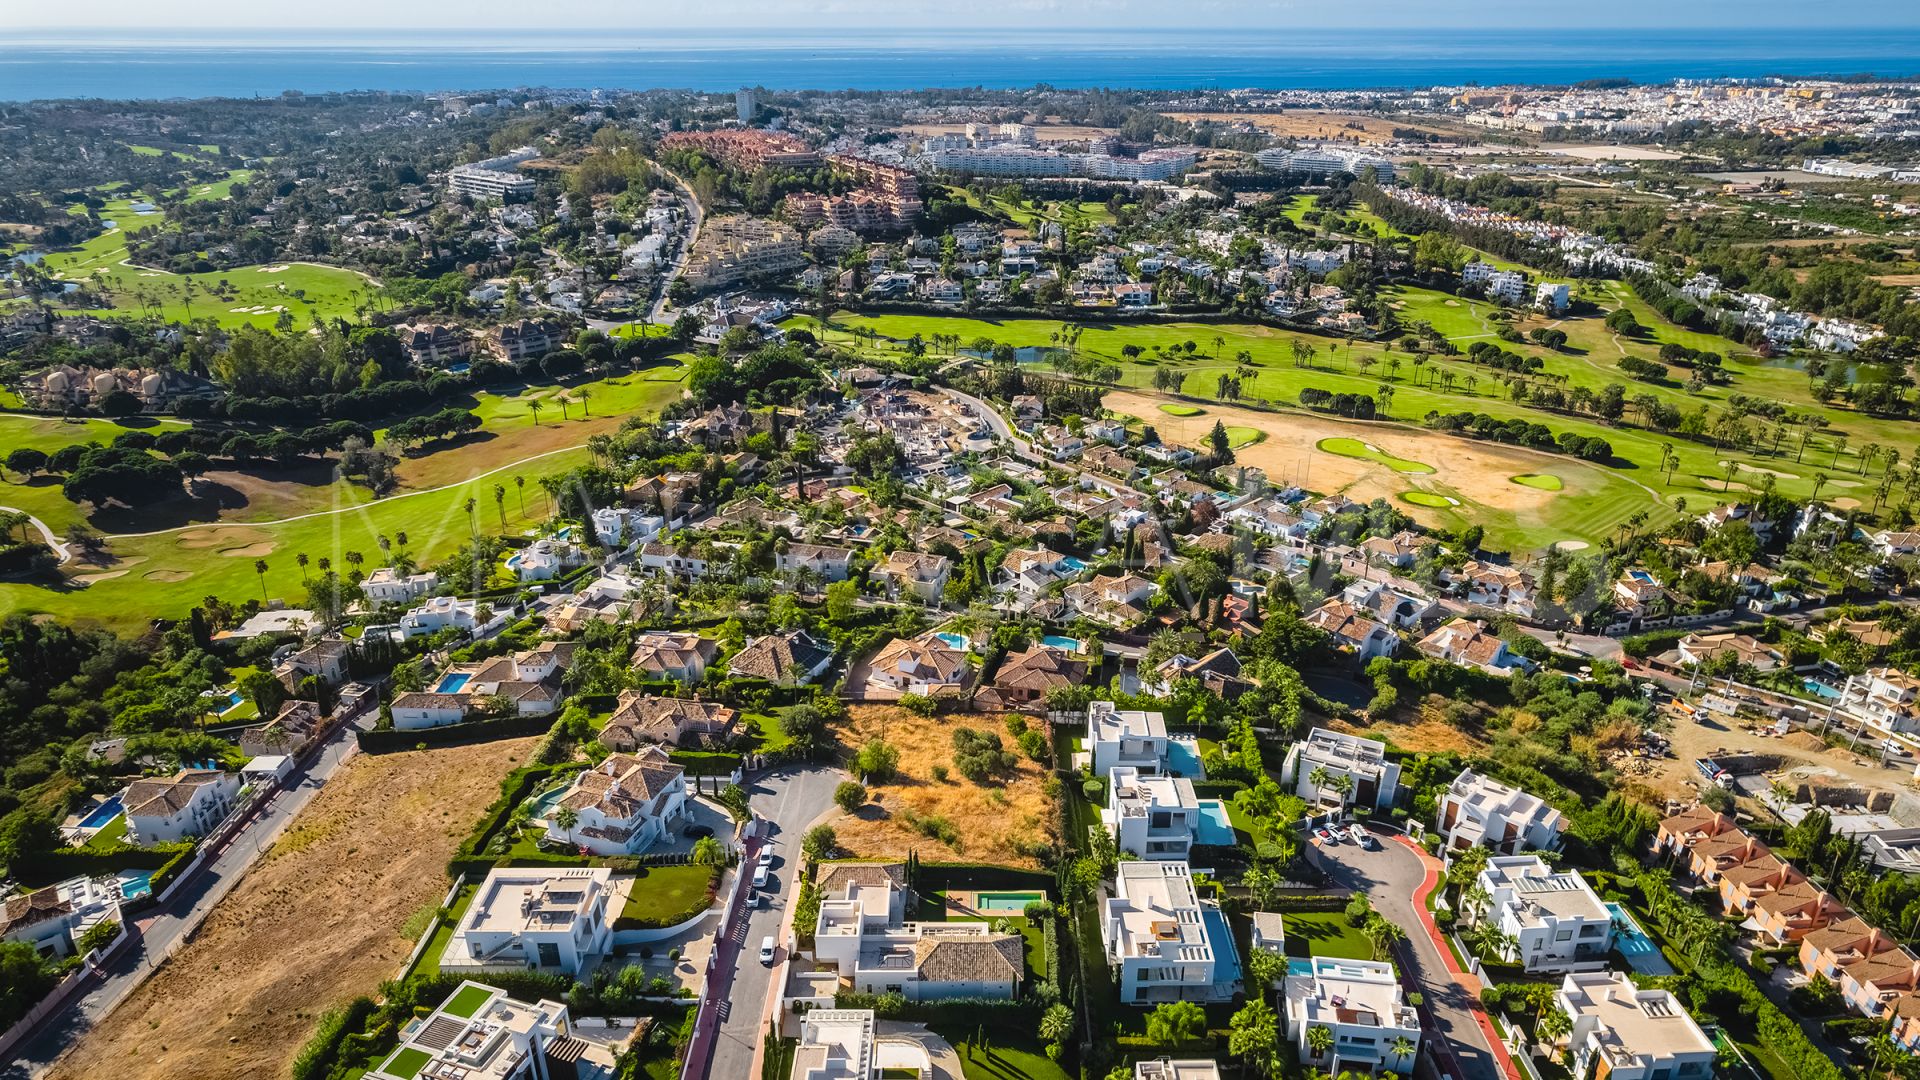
[767,729]
[1325,933]
[113,832]
[1239,436]
[467,1001]
[1543,481]
[442,934]
[1354,448]
[1008,1055]
[1428,498]
[660,892]
[1181,410]
[407,1061]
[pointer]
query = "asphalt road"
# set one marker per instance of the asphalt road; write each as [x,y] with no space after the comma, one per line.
[163,930]
[792,799]
[1389,875]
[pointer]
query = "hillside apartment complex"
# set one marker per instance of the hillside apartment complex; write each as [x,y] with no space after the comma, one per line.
[734,249]
[495,178]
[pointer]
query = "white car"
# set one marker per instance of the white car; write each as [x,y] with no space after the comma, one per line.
[1339,833]
[766,950]
[1361,836]
[761,876]
[766,855]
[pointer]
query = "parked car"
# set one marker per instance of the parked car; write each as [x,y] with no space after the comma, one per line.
[1324,836]
[1339,833]
[766,950]
[1359,835]
[766,856]
[761,876]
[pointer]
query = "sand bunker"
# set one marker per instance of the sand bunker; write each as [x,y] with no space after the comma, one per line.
[88,579]
[220,537]
[1744,467]
[277,268]
[250,551]
[1571,545]
[167,576]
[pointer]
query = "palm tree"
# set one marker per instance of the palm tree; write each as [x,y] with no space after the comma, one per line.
[534,407]
[1320,1040]
[520,488]
[500,505]
[301,561]
[1403,1047]
[473,523]
[1381,934]
[1819,481]
[706,851]
[1552,1026]
[566,818]
[400,537]
[581,395]
[260,568]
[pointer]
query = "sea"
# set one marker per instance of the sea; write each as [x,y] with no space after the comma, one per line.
[191,64]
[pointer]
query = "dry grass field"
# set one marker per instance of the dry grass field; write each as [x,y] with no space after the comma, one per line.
[995,822]
[315,923]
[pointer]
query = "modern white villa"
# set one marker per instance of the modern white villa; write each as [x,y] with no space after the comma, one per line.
[1151,817]
[479,1033]
[863,932]
[1553,917]
[1477,809]
[1626,1033]
[550,919]
[1361,1003]
[1315,765]
[1163,942]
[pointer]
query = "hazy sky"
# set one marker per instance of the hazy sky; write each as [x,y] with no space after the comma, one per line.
[887,14]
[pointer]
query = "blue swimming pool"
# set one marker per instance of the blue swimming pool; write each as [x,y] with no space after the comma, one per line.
[1639,950]
[102,814]
[1183,758]
[1226,958]
[1820,690]
[1058,642]
[1300,965]
[1214,828]
[135,883]
[1071,564]
[958,641]
[452,683]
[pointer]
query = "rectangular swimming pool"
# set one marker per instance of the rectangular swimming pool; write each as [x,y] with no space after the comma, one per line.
[1214,828]
[1639,950]
[102,814]
[1011,902]
[451,684]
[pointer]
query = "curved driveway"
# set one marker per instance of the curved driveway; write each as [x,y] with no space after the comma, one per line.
[1390,876]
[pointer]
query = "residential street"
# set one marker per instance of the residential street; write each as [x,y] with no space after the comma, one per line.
[1390,876]
[163,929]
[791,799]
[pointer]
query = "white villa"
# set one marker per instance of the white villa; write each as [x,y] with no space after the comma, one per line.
[52,919]
[835,1044]
[1552,916]
[1151,817]
[546,559]
[1332,754]
[479,1033]
[1157,937]
[863,932]
[388,586]
[1478,809]
[625,804]
[1626,1033]
[1137,739]
[447,612]
[188,803]
[1361,1003]
[558,919]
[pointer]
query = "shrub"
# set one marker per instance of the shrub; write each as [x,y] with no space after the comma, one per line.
[979,754]
[878,760]
[850,795]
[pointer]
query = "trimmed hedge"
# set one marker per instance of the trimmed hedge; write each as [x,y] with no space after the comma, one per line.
[705,762]
[514,787]
[388,740]
[320,1053]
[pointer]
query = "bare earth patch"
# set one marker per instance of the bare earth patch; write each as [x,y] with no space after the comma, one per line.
[994,822]
[250,551]
[315,923]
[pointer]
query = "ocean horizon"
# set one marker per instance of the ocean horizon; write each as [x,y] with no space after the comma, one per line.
[250,63]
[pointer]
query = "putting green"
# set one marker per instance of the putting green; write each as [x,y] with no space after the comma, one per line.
[1354,448]
[1428,498]
[1238,436]
[1543,481]
[1181,410]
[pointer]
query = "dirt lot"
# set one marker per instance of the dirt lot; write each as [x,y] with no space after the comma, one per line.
[316,922]
[989,820]
[1677,778]
[1319,124]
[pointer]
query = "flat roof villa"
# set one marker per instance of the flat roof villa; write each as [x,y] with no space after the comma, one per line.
[1631,1034]
[545,919]
[1137,739]
[1168,1069]
[1153,817]
[1164,941]
[835,1044]
[1331,754]
[1477,809]
[1552,917]
[479,1033]
[1361,1003]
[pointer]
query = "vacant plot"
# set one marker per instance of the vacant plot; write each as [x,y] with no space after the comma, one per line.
[1317,124]
[952,818]
[316,922]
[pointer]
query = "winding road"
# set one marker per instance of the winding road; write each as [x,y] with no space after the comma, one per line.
[46,534]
